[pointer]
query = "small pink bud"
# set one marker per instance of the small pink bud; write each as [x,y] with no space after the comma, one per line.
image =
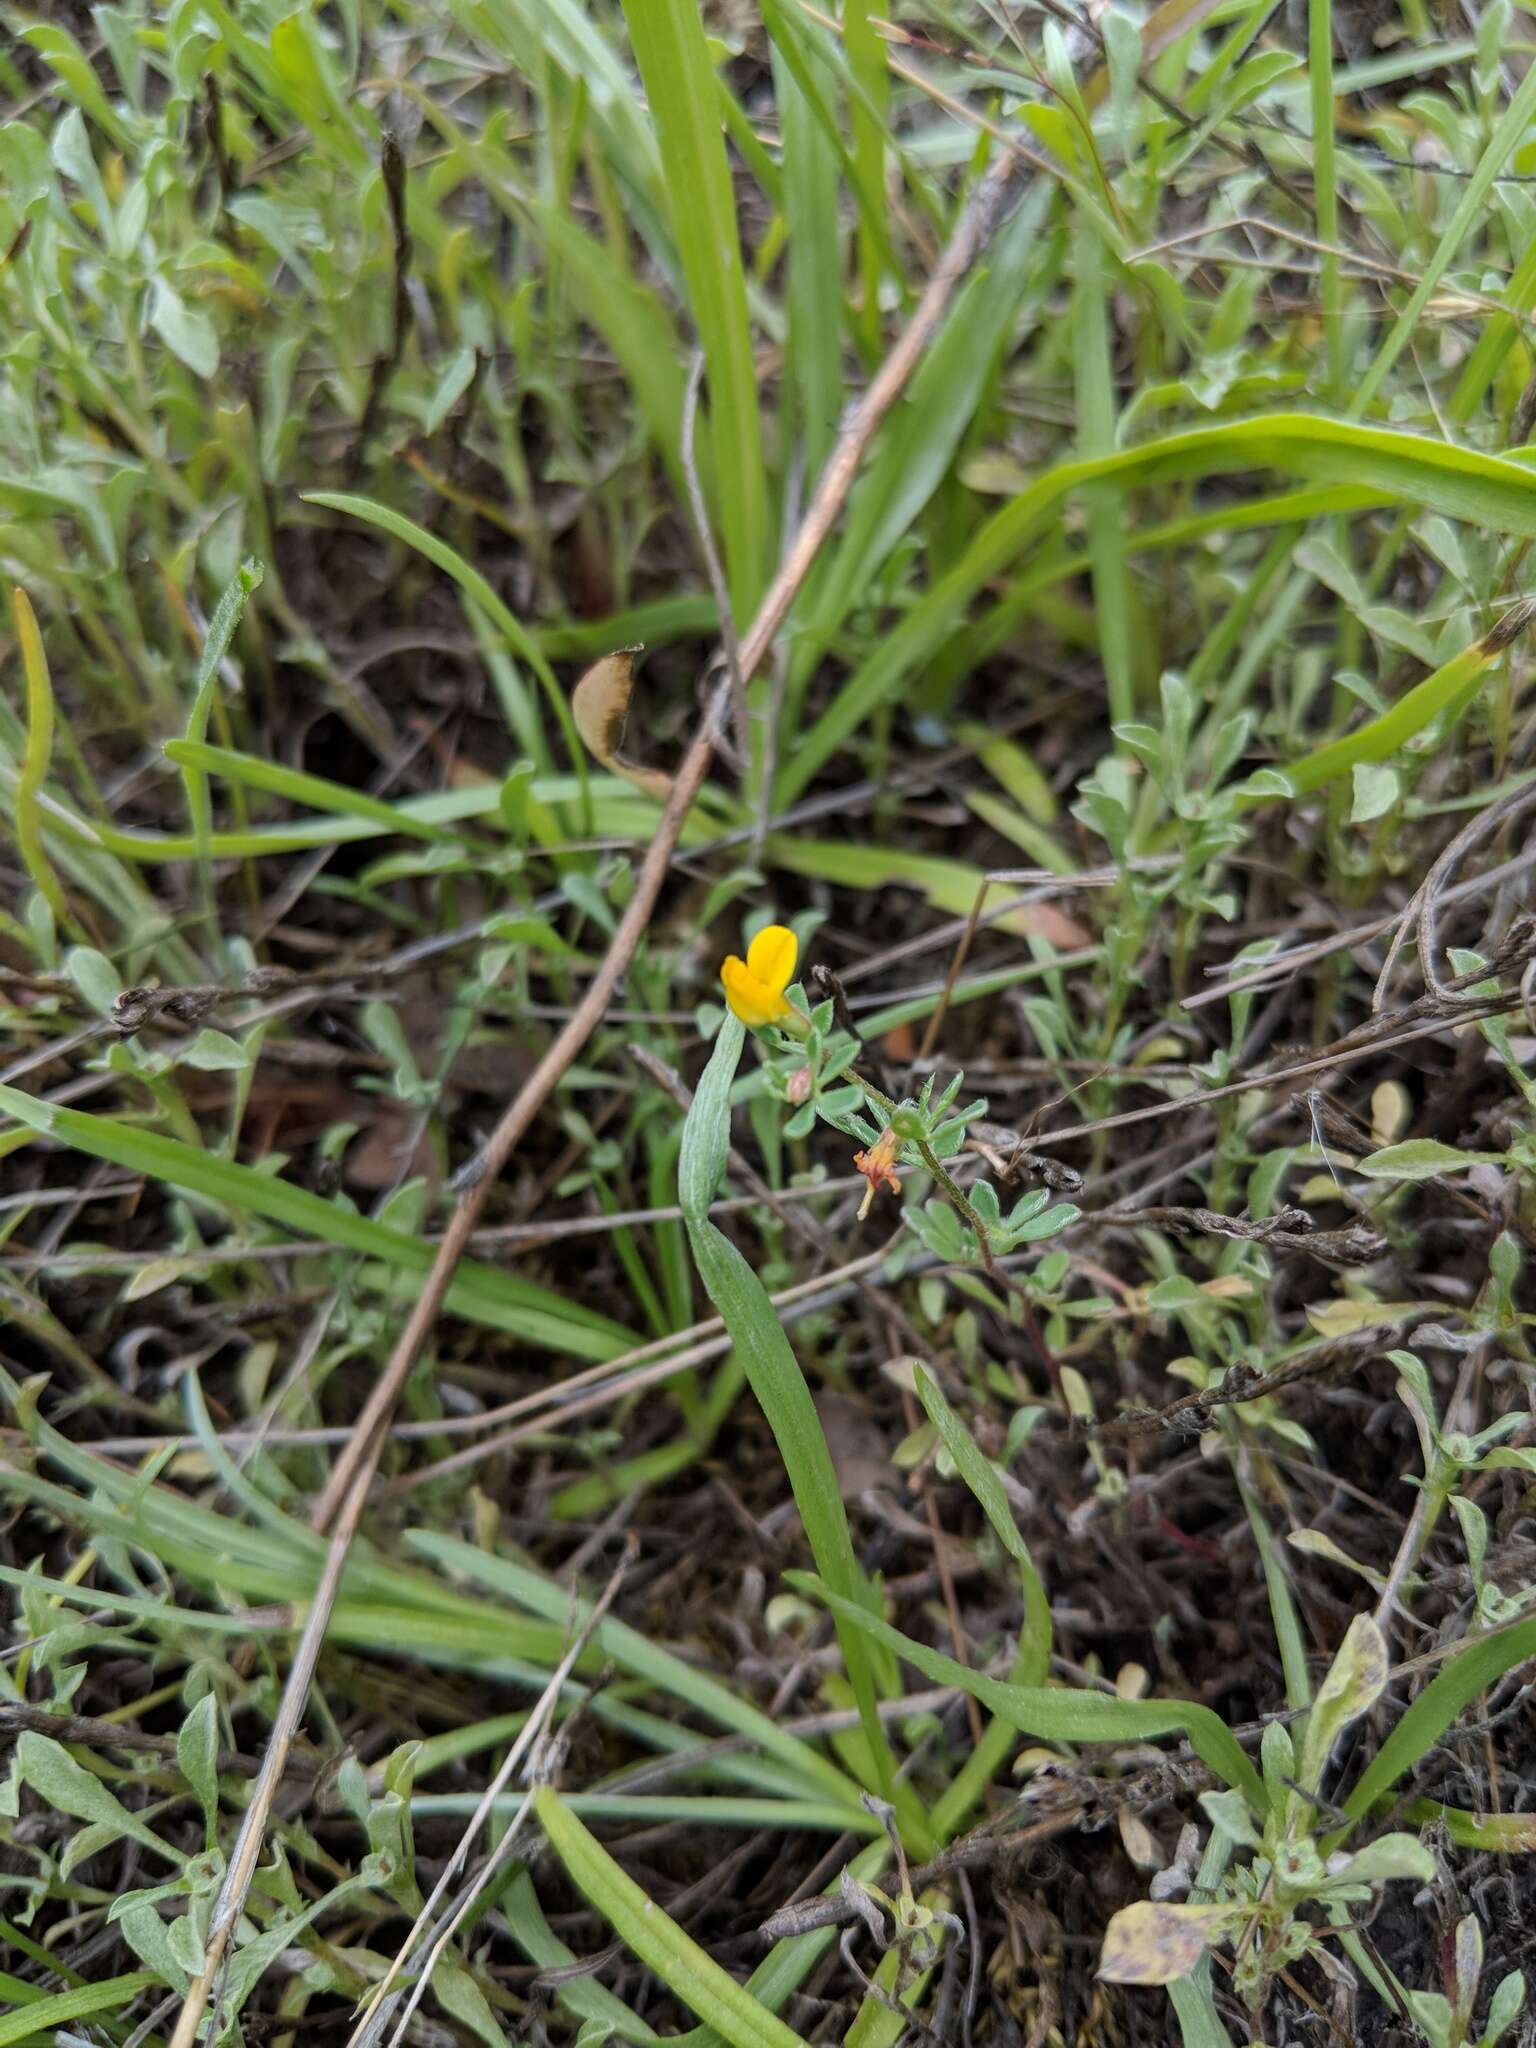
[799,1084]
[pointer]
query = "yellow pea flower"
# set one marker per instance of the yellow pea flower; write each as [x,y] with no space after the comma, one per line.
[755,987]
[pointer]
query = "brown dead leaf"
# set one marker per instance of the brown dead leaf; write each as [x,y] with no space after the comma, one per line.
[392,1146]
[1045,921]
[600,706]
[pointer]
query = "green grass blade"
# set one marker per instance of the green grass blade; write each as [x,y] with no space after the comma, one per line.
[483,1294]
[644,339]
[1494,343]
[688,616]
[1325,188]
[869,112]
[44,2019]
[1510,132]
[816,59]
[981,1477]
[1489,491]
[772,1368]
[1200,2024]
[638,1655]
[686,1809]
[1450,689]
[657,1940]
[568,35]
[196,757]
[572,1988]
[34,765]
[1283,1611]
[815,282]
[1096,437]
[790,1961]
[669,42]
[950,885]
[479,591]
[1059,1714]
[918,445]
[149,1612]
[1469,1673]
[221,630]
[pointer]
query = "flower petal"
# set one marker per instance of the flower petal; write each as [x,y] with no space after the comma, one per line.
[772,954]
[745,994]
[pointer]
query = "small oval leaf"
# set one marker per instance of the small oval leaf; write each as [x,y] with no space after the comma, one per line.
[1418,1159]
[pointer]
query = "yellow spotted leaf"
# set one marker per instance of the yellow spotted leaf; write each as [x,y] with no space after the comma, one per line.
[1153,1942]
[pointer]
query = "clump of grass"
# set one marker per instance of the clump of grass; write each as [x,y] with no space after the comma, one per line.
[1109,440]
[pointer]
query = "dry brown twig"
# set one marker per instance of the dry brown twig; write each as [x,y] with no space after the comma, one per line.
[340,1505]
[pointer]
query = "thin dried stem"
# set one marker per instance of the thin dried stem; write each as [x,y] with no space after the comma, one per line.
[380,2004]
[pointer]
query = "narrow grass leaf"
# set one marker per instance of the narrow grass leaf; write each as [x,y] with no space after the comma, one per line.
[1450,690]
[34,764]
[1096,437]
[680,85]
[637,1654]
[657,1940]
[951,885]
[1511,131]
[221,631]
[479,591]
[920,441]
[1063,1715]
[1506,1834]
[1200,2024]
[814,280]
[482,1293]
[1422,1724]
[772,1368]
[643,336]
[981,1477]
[195,757]
[48,2017]
[571,1988]
[1490,491]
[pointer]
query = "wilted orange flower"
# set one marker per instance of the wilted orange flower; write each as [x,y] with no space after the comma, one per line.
[878,1166]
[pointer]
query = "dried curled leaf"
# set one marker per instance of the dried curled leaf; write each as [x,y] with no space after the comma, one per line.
[1152,1942]
[600,706]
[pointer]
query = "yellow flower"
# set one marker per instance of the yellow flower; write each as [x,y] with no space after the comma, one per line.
[755,987]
